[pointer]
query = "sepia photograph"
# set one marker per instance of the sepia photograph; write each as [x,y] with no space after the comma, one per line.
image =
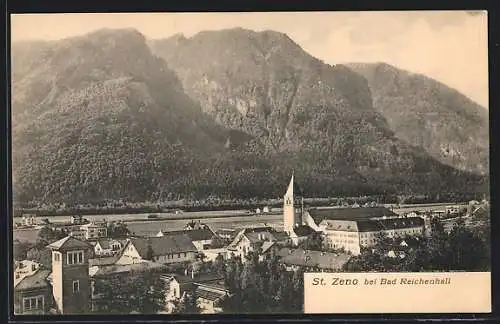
[233,163]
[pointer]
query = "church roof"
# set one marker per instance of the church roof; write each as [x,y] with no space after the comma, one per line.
[349,213]
[293,188]
[69,243]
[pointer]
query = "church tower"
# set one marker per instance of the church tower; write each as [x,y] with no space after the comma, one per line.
[70,275]
[293,207]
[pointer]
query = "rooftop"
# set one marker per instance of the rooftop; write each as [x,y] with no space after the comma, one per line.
[35,281]
[212,295]
[368,225]
[125,268]
[164,245]
[69,243]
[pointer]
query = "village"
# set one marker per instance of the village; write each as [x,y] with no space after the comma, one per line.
[198,269]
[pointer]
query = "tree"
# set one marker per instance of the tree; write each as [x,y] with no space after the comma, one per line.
[41,255]
[47,235]
[20,250]
[142,292]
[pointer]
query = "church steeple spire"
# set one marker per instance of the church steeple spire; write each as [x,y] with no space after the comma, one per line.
[293,205]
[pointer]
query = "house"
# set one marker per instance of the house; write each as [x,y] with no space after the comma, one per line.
[266,210]
[33,293]
[253,239]
[77,233]
[202,238]
[228,233]
[107,247]
[28,220]
[93,231]
[23,269]
[210,295]
[77,219]
[169,249]
[209,288]
[311,260]
[195,225]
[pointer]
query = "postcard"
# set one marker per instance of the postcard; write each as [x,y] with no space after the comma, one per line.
[250,163]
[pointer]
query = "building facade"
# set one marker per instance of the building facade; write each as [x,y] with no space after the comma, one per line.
[165,250]
[70,275]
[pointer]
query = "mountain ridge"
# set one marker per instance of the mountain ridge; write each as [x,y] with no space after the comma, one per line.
[140,127]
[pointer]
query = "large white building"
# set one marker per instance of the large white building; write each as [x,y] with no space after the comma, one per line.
[350,228]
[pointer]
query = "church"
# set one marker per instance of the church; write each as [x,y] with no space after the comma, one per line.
[348,228]
[294,219]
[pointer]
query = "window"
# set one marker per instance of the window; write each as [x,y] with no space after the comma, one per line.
[75,257]
[178,255]
[76,286]
[57,256]
[32,303]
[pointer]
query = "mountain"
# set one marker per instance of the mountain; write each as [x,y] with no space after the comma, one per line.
[428,114]
[321,116]
[98,117]
[224,114]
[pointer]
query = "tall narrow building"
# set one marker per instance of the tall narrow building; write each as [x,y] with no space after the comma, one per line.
[293,214]
[293,205]
[70,275]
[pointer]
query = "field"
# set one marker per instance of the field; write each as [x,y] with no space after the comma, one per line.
[154,226]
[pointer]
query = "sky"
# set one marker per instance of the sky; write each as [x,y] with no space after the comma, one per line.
[449,46]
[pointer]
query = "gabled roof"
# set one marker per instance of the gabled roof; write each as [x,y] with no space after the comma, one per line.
[106,243]
[349,213]
[266,246]
[163,245]
[309,258]
[69,243]
[35,281]
[258,235]
[125,268]
[210,294]
[201,234]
